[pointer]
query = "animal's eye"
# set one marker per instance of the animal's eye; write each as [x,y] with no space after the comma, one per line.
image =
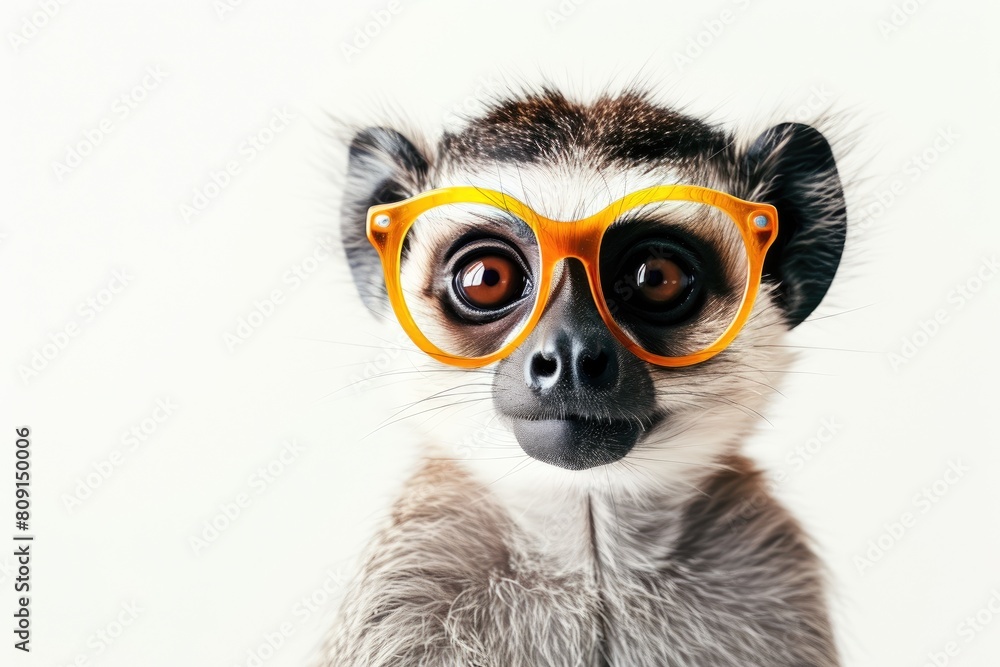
[663,282]
[490,281]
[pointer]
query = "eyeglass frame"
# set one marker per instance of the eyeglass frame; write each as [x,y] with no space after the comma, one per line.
[388,224]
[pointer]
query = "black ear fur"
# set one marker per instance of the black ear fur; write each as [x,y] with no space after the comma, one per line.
[793,169]
[383,167]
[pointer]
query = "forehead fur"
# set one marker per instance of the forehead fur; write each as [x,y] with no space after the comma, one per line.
[622,130]
[568,159]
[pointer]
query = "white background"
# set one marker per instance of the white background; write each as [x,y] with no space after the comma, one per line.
[899,426]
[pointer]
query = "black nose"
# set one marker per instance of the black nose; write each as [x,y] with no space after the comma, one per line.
[572,360]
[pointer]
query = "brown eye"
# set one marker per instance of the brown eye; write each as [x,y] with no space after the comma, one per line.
[661,280]
[490,282]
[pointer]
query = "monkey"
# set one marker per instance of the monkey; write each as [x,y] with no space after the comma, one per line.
[608,516]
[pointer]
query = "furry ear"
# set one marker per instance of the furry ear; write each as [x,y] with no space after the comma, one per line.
[383,167]
[792,168]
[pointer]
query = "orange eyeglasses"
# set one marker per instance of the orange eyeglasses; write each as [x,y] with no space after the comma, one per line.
[673,269]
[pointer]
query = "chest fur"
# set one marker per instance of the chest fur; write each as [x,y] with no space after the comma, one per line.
[460,578]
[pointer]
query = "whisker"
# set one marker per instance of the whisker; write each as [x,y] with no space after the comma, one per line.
[716,397]
[520,465]
[444,393]
[417,414]
[828,349]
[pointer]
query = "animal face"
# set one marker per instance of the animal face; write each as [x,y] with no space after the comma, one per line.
[672,275]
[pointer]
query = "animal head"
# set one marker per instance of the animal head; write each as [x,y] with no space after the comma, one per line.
[586,382]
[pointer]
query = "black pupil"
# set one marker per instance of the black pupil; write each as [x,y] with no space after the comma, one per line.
[491,277]
[654,277]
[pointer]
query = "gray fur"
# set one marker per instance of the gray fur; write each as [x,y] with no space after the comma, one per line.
[723,580]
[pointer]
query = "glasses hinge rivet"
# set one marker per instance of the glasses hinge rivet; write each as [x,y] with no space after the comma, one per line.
[382,221]
[760,221]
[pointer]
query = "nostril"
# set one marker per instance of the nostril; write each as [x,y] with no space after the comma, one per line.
[594,366]
[543,367]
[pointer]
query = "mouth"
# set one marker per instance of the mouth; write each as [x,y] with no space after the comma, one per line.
[579,442]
